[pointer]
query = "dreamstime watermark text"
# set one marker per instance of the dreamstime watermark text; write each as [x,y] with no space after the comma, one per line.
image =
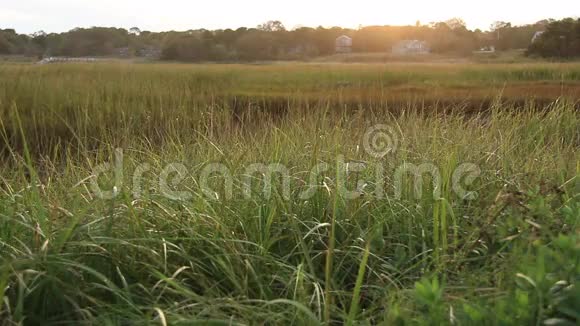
[348,179]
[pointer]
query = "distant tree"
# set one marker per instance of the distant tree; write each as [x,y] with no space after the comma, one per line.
[13,43]
[302,41]
[560,40]
[94,41]
[188,46]
[256,45]
[505,36]
[456,23]
[497,27]
[373,39]
[500,25]
[39,43]
[135,31]
[452,37]
[5,46]
[272,26]
[227,38]
[40,33]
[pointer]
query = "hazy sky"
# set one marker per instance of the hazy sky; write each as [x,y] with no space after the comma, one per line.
[28,16]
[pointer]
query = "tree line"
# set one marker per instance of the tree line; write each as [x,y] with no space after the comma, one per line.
[561,39]
[272,41]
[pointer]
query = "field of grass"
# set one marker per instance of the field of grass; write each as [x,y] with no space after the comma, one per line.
[512,56]
[398,194]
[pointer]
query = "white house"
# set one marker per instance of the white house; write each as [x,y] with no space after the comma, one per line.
[343,44]
[411,47]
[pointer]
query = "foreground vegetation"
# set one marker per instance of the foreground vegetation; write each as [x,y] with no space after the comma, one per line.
[506,251]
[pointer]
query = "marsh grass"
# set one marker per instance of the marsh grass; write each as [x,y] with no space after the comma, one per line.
[509,256]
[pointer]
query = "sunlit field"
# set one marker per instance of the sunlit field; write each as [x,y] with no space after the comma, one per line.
[279,194]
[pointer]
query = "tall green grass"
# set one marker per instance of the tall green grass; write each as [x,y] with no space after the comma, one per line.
[509,256]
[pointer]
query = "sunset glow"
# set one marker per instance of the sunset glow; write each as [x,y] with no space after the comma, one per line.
[28,16]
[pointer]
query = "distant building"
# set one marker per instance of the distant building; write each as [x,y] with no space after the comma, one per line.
[411,47]
[537,36]
[343,44]
[149,52]
[124,52]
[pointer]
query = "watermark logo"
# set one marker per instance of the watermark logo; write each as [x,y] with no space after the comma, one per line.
[348,179]
[381,140]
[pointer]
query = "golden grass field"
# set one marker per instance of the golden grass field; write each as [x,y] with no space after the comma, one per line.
[290,193]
